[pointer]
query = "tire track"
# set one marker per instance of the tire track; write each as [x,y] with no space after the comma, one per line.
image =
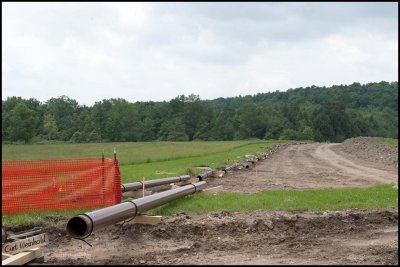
[303,166]
[325,153]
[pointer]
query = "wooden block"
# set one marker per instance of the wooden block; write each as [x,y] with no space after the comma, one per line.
[212,190]
[23,257]
[173,186]
[218,174]
[5,256]
[128,194]
[146,219]
[25,244]
[193,180]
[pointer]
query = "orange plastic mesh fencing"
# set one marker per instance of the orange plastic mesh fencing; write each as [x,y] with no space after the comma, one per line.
[65,184]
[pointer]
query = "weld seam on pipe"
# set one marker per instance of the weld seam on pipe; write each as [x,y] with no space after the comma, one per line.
[195,189]
[136,208]
[91,225]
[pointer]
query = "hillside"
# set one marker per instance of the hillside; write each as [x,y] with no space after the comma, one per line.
[312,113]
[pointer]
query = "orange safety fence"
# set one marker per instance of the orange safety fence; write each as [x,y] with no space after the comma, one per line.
[64,184]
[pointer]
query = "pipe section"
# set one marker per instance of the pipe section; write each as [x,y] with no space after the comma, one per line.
[152,183]
[81,226]
[249,163]
[246,164]
[205,175]
[229,168]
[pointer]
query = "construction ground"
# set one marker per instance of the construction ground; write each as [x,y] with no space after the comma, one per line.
[353,236]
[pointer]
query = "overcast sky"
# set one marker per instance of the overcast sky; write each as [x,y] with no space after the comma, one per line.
[157,51]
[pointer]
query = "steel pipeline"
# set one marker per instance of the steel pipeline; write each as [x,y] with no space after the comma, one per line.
[229,168]
[204,175]
[81,226]
[152,183]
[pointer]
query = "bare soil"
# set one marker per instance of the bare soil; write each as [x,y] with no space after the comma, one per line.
[347,237]
[315,165]
[261,237]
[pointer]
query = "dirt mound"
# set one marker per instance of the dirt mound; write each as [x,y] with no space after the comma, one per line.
[366,149]
[260,237]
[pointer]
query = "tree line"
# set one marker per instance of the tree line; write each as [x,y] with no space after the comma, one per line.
[311,113]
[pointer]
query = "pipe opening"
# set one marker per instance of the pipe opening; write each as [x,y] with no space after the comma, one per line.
[77,227]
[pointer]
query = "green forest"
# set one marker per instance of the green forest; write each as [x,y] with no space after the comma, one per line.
[311,113]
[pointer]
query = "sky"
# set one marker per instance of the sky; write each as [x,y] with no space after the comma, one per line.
[155,51]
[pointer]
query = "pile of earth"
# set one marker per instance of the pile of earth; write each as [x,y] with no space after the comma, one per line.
[259,237]
[369,149]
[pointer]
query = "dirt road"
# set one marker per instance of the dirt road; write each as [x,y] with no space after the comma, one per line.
[337,237]
[316,165]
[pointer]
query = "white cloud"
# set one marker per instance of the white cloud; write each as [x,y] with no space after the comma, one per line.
[132,14]
[156,51]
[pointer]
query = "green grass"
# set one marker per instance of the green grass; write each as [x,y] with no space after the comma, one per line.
[36,218]
[389,142]
[376,197]
[128,153]
[147,159]
[187,165]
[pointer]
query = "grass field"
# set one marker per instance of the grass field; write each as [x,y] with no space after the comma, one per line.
[128,153]
[147,159]
[380,196]
[165,159]
[186,165]
[376,197]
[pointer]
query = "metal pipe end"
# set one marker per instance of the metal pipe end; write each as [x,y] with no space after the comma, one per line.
[198,186]
[80,226]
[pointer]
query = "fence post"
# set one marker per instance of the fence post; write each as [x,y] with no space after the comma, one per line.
[117,185]
[102,177]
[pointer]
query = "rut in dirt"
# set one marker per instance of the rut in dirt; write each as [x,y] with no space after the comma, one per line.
[303,166]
